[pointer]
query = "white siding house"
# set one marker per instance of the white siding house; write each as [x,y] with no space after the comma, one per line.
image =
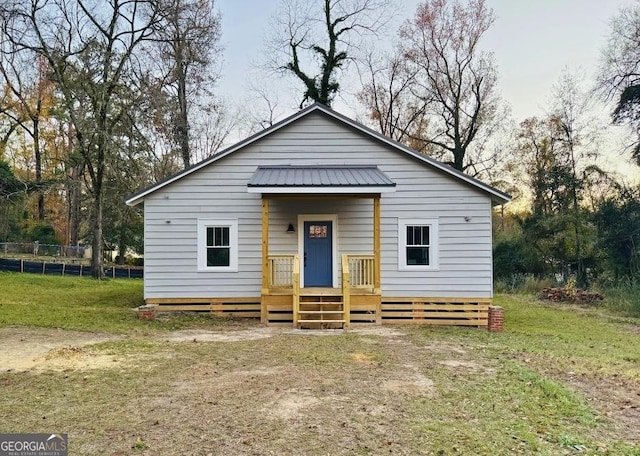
[269,226]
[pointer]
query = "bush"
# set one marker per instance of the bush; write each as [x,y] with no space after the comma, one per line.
[44,234]
[523,283]
[623,298]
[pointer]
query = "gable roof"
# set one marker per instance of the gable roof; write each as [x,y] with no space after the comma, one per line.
[319,178]
[497,196]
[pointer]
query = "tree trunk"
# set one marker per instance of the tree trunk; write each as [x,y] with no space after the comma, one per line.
[97,254]
[182,129]
[74,206]
[38,157]
[73,195]
[122,245]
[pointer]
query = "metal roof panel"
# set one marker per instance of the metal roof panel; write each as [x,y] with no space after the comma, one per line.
[319,176]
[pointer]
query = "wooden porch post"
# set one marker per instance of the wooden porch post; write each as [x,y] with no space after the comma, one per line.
[376,257]
[376,243]
[265,259]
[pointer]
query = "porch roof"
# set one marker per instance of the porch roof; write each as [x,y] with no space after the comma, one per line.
[319,179]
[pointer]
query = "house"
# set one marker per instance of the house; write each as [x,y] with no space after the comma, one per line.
[320,221]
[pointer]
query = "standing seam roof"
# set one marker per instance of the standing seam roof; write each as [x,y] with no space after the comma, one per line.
[319,176]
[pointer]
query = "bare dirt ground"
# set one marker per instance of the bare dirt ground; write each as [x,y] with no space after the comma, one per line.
[25,349]
[248,404]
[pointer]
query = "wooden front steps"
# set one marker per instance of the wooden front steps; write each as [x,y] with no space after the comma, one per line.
[321,308]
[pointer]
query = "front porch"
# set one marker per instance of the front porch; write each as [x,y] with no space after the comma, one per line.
[358,301]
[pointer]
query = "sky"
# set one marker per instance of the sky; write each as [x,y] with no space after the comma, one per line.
[533,41]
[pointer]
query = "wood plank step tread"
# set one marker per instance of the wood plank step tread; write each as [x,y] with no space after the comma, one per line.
[320,312]
[320,295]
[321,321]
[316,303]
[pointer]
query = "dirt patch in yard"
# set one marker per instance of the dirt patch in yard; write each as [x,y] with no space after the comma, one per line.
[217,336]
[26,349]
[617,398]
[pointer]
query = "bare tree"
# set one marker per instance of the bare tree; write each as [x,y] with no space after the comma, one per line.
[579,136]
[88,46]
[619,76]
[454,78]
[389,102]
[322,35]
[264,103]
[187,46]
[217,123]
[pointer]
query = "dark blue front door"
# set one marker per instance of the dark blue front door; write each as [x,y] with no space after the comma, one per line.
[318,258]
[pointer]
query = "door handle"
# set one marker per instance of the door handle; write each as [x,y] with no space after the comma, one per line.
[305,259]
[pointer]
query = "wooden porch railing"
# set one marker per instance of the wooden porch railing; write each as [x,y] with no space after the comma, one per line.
[296,289]
[281,269]
[361,270]
[346,290]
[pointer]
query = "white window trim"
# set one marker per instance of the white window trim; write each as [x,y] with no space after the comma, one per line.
[232,224]
[433,247]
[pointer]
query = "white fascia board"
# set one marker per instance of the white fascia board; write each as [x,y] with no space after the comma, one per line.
[321,190]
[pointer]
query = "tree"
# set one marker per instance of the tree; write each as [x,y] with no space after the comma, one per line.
[391,106]
[545,170]
[128,171]
[187,45]
[578,137]
[12,192]
[618,222]
[29,96]
[454,78]
[322,34]
[88,46]
[556,157]
[619,77]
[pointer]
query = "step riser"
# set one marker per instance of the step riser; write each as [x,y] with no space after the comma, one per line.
[319,308]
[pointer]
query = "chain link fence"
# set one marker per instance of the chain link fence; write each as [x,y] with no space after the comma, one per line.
[37,249]
[63,260]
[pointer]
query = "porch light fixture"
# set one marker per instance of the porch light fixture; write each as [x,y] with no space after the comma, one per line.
[290,228]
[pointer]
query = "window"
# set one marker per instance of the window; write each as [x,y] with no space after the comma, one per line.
[317,231]
[417,244]
[218,245]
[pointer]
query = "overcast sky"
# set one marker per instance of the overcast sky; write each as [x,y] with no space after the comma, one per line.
[533,40]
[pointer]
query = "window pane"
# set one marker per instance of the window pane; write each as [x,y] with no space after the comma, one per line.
[225,236]
[317,231]
[409,235]
[218,236]
[425,235]
[418,256]
[418,235]
[218,256]
[209,236]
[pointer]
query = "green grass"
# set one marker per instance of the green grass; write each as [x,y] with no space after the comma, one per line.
[529,406]
[542,387]
[81,304]
[623,299]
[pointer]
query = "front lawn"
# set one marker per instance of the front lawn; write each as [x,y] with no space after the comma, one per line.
[559,380]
